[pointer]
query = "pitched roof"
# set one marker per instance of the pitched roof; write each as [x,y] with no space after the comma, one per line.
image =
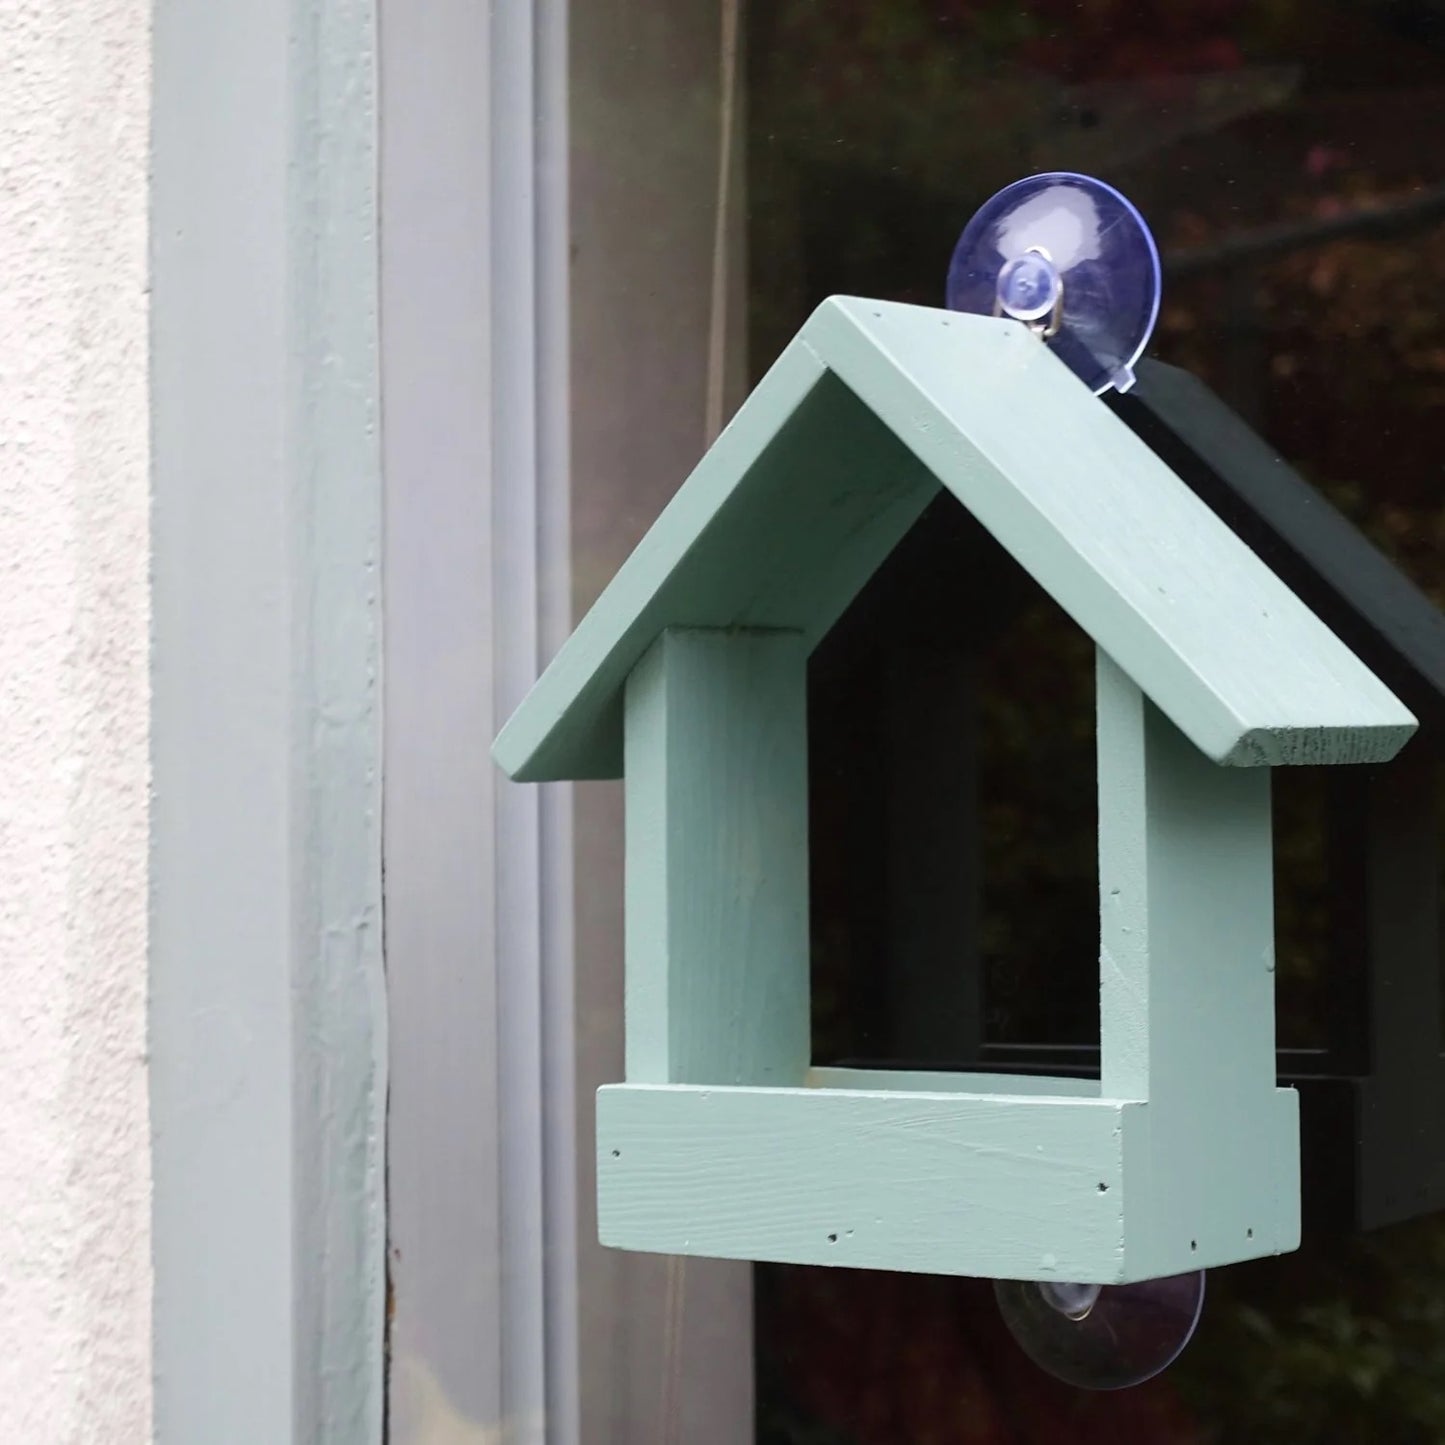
[870,409]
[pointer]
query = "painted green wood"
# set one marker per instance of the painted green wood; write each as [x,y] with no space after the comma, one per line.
[989,1185]
[941,1183]
[1338,573]
[781,523]
[1195,1147]
[936,1081]
[837,451]
[716,911]
[1215,640]
[1187,991]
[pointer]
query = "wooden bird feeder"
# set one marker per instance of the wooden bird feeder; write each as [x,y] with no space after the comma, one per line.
[687,679]
[1373,1096]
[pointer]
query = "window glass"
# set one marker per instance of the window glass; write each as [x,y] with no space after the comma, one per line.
[1286,157]
[729,171]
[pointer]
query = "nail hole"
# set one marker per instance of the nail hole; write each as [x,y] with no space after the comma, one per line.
[832,1239]
[617,1153]
[1249,1234]
[1194,1244]
[1103,1188]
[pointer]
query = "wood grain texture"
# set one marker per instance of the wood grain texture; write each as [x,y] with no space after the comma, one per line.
[1358,592]
[1013,1186]
[1212,637]
[941,1183]
[716,910]
[836,453]
[1387,998]
[1187,992]
[784,519]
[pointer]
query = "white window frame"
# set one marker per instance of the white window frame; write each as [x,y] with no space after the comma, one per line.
[267,1014]
[478,872]
[346,193]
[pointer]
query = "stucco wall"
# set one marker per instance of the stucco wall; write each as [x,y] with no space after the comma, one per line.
[75,1263]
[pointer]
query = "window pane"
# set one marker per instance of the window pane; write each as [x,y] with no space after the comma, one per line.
[1287,158]
[657,359]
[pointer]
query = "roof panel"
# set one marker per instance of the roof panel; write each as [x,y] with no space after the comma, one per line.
[1204,628]
[782,522]
[836,453]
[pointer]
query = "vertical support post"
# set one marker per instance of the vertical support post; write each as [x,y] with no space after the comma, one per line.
[717,860]
[1187,985]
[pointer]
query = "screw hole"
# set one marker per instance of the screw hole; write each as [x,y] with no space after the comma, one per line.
[1103,1188]
[832,1239]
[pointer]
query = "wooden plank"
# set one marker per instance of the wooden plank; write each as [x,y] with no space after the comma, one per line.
[1328,562]
[783,520]
[1187,989]
[940,1183]
[716,910]
[1214,639]
[939,1081]
[807,491]
[1187,985]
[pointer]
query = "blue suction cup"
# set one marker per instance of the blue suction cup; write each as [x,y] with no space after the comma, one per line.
[1073,260]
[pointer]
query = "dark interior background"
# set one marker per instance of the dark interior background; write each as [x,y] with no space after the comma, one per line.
[1288,156]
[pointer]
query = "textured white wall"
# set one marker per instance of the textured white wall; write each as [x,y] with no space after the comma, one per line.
[75,1264]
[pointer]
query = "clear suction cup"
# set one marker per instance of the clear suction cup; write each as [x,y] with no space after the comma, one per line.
[1103,1337]
[1073,260]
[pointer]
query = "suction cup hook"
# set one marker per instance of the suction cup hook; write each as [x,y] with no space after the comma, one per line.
[1073,260]
[1103,1337]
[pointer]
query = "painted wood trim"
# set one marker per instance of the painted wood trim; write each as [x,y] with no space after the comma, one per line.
[988,1185]
[716,911]
[1328,562]
[1186,896]
[1187,985]
[834,493]
[1213,638]
[1216,641]
[939,1183]
[937,1081]
[267,1003]
[1210,1187]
